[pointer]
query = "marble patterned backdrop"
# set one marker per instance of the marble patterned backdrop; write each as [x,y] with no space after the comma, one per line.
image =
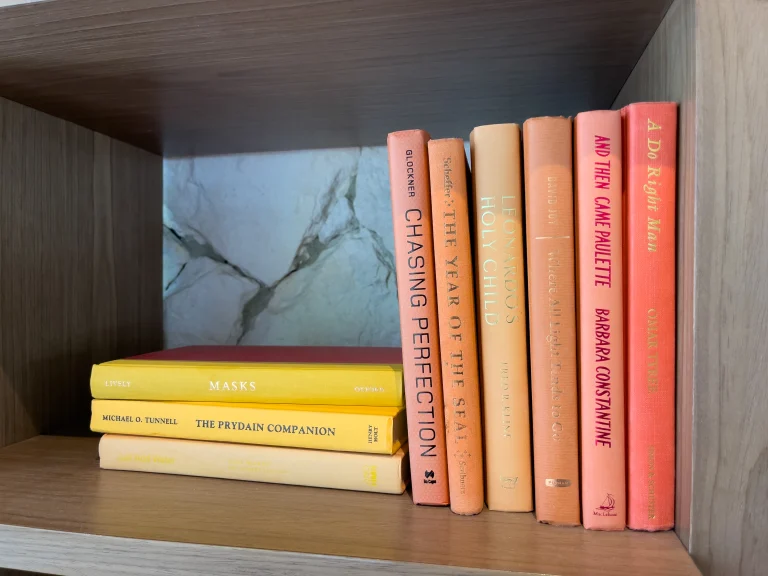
[286,248]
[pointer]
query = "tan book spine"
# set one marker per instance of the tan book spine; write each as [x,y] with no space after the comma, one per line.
[415,265]
[456,317]
[552,313]
[319,468]
[501,315]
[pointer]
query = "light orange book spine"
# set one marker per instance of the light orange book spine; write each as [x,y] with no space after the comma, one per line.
[456,314]
[598,155]
[501,315]
[415,267]
[547,152]
[319,468]
[651,165]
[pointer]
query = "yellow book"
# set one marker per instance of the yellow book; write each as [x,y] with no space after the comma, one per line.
[375,430]
[319,468]
[263,374]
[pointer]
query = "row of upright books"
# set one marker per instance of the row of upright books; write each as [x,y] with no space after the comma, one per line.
[548,268]
[537,309]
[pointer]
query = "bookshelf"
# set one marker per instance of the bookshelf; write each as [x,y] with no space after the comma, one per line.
[93,93]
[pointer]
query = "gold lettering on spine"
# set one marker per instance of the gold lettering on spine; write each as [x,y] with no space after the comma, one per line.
[651,186]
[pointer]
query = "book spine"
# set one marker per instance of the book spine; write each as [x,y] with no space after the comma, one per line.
[547,150]
[335,385]
[415,268]
[599,234]
[651,165]
[341,431]
[318,468]
[501,316]
[456,316]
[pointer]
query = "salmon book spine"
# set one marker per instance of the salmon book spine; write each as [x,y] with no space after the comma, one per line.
[456,316]
[548,159]
[501,315]
[600,312]
[295,466]
[415,270]
[368,429]
[650,195]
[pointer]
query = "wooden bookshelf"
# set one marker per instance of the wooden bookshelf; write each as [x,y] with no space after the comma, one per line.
[94,92]
[63,500]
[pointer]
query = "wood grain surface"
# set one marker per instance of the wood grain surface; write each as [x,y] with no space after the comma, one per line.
[722,498]
[81,265]
[667,72]
[57,485]
[729,498]
[213,76]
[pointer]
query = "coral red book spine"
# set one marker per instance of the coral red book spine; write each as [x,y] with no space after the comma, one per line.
[415,268]
[651,165]
[598,155]
[456,315]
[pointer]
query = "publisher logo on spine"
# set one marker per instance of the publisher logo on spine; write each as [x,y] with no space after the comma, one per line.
[607,508]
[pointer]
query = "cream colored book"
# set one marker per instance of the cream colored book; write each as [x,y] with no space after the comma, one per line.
[322,469]
[501,315]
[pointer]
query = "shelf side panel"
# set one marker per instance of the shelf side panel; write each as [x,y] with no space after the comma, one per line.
[80,265]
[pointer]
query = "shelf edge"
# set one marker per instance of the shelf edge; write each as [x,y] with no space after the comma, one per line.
[75,554]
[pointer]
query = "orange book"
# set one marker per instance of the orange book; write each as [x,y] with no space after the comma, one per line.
[651,167]
[552,318]
[456,315]
[415,266]
[598,151]
[501,316]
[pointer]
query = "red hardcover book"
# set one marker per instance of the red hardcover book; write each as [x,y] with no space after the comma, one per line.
[415,268]
[279,354]
[651,169]
[600,308]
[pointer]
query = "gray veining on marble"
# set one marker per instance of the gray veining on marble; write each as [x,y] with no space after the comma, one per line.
[287,248]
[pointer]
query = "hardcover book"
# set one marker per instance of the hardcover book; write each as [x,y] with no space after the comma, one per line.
[650,196]
[600,309]
[456,316]
[415,267]
[552,313]
[264,374]
[319,468]
[501,315]
[367,429]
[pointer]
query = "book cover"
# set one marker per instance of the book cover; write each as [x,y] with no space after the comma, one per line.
[456,317]
[263,374]
[650,196]
[318,468]
[547,150]
[415,268]
[367,429]
[599,241]
[501,315]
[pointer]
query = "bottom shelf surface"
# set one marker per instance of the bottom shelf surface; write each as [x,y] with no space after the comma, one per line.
[61,514]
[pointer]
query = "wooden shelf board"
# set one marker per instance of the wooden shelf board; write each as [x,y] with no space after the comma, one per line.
[221,76]
[54,483]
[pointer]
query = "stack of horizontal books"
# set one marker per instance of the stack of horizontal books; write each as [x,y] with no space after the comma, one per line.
[325,417]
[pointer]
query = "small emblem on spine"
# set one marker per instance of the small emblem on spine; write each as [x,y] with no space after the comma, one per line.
[557,483]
